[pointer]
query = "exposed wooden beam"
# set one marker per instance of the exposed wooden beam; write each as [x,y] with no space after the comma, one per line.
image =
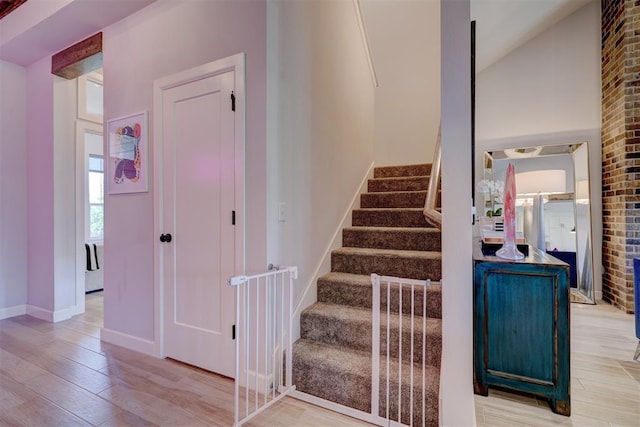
[81,58]
[8,6]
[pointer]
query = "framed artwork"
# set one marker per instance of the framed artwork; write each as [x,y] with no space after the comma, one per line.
[127,165]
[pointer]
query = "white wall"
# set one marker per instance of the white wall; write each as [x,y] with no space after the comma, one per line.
[405,43]
[456,379]
[560,162]
[50,148]
[13,188]
[40,195]
[320,130]
[549,85]
[548,92]
[64,181]
[164,38]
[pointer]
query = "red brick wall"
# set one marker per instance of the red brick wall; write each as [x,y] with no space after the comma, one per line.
[620,148]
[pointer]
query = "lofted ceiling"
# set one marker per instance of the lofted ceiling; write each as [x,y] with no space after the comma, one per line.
[40,28]
[504,25]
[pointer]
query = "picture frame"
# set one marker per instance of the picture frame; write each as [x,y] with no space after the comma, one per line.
[127,163]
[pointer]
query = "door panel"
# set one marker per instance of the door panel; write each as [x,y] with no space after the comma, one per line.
[198,198]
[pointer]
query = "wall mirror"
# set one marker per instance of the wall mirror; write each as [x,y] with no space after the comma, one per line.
[552,206]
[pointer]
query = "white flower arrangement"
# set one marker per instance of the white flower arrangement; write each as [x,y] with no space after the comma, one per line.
[495,190]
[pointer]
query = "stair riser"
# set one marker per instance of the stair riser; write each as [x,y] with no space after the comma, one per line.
[355,391]
[412,199]
[336,386]
[418,240]
[385,218]
[431,399]
[357,335]
[417,183]
[360,296]
[411,268]
[397,171]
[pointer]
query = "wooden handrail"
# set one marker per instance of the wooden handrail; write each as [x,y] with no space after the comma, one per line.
[431,214]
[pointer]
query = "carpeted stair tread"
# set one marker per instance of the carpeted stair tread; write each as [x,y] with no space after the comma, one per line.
[421,265]
[391,252]
[359,315]
[393,199]
[405,183]
[351,327]
[356,290]
[389,217]
[344,376]
[404,170]
[404,238]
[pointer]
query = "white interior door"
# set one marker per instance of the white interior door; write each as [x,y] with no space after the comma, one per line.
[198,193]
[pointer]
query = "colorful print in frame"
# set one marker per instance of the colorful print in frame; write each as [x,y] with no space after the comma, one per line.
[127,164]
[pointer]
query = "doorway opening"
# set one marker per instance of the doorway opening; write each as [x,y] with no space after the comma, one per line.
[90,171]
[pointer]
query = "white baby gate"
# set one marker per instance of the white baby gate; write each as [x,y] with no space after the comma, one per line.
[393,401]
[399,311]
[263,366]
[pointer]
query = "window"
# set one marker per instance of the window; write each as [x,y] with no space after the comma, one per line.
[90,181]
[90,97]
[90,158]
[96,197]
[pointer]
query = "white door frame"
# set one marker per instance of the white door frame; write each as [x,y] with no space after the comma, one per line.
[234,63]
[92,123]
[82,197]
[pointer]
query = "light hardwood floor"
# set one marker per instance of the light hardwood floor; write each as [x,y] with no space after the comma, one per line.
[63,375]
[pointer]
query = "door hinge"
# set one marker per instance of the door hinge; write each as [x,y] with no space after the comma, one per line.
[233,101]
[233,217]
[233,332]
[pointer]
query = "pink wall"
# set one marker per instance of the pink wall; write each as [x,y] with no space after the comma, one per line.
[162,39]
[13,187]
[40,184]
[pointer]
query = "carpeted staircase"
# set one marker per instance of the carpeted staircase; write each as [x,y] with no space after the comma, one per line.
[389,236]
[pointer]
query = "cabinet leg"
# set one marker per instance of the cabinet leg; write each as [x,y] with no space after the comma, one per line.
[481,389]
[562,407]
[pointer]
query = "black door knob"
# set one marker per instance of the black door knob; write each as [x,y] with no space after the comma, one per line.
[165,238]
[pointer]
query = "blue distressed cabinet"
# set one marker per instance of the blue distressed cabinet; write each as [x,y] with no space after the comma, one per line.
[521,326]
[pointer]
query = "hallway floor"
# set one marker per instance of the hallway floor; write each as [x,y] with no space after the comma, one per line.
[63,375]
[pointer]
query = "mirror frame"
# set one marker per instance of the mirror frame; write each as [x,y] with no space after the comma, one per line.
[585,291]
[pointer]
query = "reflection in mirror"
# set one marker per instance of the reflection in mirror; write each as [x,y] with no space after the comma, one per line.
[552,208]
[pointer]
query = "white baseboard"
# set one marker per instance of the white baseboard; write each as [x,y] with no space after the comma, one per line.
[40,313]
[16,310]
[67,313]
[256,381]
[130,342]
[52,316]
[341,409]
